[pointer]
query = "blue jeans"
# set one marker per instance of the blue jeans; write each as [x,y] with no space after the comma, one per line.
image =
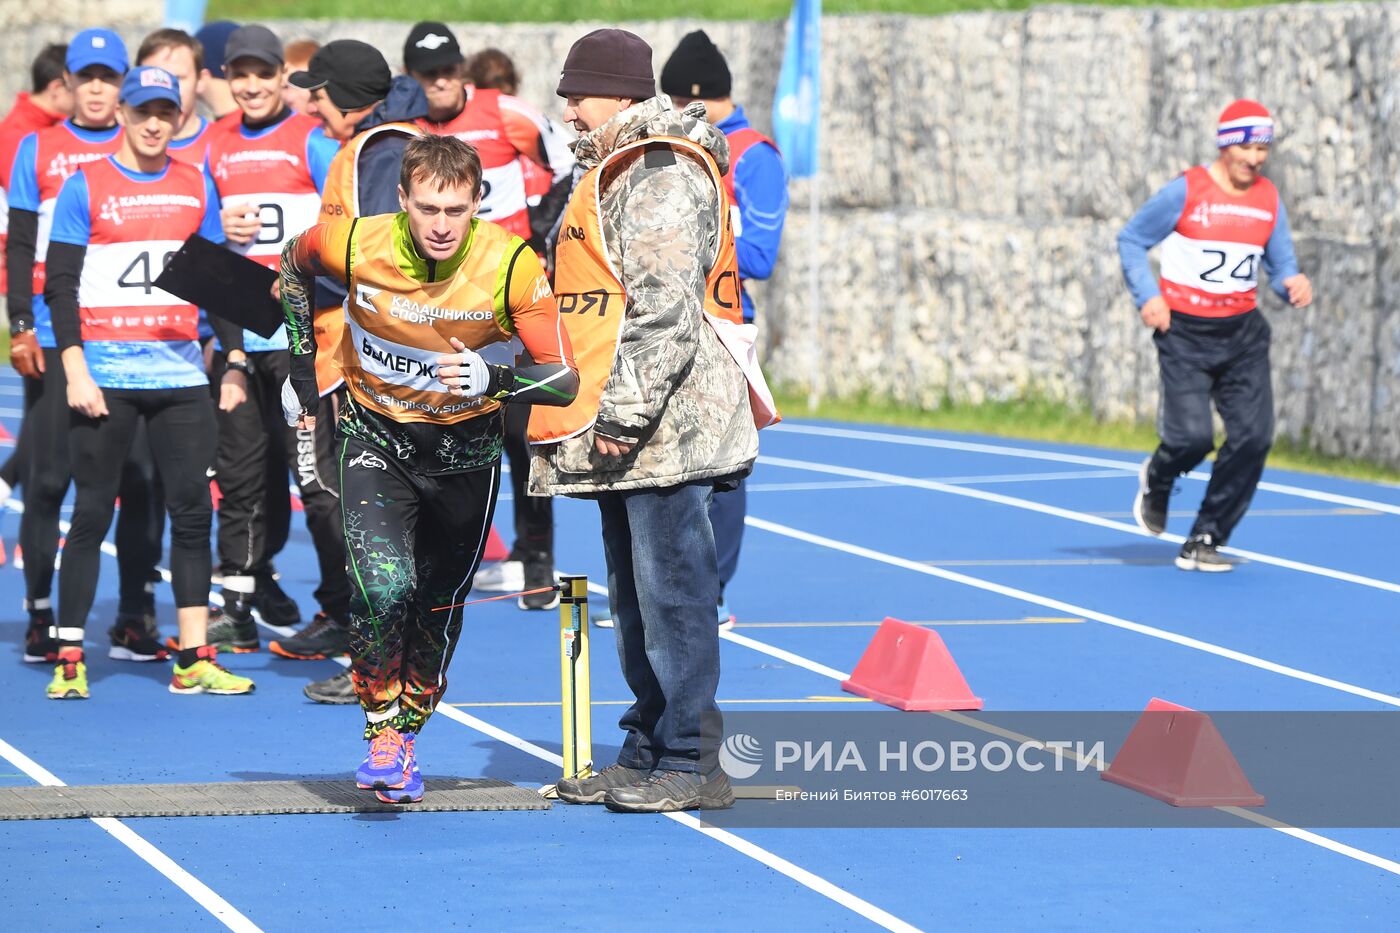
[663,587]
[727,518]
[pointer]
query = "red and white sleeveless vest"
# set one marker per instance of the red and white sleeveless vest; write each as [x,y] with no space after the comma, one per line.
[1210,262]
[58,154]
[271,172]
[135,226]
[503,200]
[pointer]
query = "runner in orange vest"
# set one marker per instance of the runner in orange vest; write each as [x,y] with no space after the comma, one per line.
[432,290]
[648,287]
[370,112]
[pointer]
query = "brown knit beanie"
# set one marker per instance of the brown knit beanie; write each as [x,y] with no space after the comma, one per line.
[608,63]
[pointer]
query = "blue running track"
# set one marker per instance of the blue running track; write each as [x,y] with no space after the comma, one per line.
[1023,554]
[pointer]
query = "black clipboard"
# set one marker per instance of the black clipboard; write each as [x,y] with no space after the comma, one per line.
[225,283]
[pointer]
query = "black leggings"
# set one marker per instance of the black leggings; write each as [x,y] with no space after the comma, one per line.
[181,438]
[16,468]
[46,484]
[413,543]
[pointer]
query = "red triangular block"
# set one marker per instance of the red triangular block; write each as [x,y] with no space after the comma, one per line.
[908,667]
[1177,755]
[495,547]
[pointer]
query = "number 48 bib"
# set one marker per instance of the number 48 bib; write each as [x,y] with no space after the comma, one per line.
[135,226]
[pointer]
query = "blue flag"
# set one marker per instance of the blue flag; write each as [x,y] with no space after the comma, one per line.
[796,106]
[185,14]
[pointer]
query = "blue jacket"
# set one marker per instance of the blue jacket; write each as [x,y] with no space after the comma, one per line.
[760,187]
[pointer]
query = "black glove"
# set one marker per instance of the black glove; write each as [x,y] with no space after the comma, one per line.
[301,395]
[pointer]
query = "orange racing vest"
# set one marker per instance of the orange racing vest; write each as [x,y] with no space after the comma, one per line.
[592,300]
[396,327]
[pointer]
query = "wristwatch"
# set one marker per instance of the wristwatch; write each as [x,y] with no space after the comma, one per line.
[21,327]
[241,366]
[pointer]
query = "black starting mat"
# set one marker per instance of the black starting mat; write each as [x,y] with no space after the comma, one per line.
[254,798]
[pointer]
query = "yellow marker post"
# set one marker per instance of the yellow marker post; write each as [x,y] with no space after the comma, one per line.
[573,676]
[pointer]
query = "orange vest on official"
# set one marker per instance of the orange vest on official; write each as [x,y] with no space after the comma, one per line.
[592,300]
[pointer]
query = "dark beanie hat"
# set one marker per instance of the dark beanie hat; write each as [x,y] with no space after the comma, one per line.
[696,69]
[608,63]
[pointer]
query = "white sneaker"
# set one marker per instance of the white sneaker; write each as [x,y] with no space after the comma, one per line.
[603,622]
[506,576]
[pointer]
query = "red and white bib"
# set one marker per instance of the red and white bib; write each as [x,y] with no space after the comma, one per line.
[502,179]
[271,172]
[1210,262]
[58,154]
[135,226]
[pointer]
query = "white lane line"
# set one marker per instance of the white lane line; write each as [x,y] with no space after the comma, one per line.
[1068,609]
[1360,855]
[201,893]
[950,480]
[1082,517]
[1055,457]
[776,862]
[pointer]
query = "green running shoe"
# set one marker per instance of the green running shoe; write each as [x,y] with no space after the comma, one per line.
[69,678]
[206,676]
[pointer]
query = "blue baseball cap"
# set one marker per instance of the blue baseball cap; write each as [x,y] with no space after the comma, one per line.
[214,38]
[149,83]
[96,47]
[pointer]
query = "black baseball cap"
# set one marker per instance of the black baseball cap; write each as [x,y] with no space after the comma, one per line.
[353,73]
[430,46]
[256,42]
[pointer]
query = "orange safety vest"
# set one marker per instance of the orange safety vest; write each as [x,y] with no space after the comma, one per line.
[340,199]
[592,300]
[396,327]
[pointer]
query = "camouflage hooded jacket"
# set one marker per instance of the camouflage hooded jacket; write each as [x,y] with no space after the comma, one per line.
[673,386]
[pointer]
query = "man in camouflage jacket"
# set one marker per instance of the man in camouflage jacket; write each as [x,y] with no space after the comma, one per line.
[673,422]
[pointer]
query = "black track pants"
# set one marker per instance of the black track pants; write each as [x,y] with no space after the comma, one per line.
[534,515]
[1225,361]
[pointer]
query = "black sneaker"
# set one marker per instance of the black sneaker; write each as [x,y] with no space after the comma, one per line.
[539,573]
[40,647]
[595,787]
[324,637]
[668,791]
[273,604]
[1199,553]
[232,629]
[132,641]
[1150,506]
[338,689]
